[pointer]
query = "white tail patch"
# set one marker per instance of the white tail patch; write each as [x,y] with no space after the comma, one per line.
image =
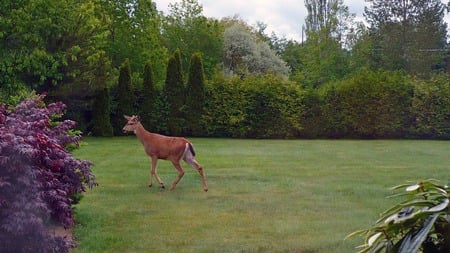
[188,155]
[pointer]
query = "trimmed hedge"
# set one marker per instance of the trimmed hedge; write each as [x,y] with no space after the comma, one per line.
[257,107]
[368,104]
[431,108]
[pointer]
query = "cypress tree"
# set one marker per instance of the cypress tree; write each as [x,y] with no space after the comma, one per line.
[195,96]
[100,118]
[174,92]
[148,99]
[125,97]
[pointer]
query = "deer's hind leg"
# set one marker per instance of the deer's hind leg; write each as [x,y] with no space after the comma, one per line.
[154,173]
[180,174]
[190,159]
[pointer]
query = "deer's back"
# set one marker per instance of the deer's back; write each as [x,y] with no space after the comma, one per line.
[164,147]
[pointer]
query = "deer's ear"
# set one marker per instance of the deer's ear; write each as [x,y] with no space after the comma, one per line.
[127,117]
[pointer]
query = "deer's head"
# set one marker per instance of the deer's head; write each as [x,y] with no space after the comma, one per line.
[132,123]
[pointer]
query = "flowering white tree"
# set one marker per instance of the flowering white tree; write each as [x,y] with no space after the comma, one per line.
[243,54]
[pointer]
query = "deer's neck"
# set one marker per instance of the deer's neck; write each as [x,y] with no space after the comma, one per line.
[140,130]
[141,133]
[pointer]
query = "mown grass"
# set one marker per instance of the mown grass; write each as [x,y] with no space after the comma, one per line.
[265,195]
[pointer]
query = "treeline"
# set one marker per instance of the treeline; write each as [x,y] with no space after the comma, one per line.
[367,104]
[346,79]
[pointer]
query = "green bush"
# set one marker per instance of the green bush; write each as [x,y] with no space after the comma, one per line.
[101,118]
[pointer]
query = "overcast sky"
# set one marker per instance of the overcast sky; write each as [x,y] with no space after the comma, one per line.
[284,17]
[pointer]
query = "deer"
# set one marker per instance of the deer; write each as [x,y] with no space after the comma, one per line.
[163,147]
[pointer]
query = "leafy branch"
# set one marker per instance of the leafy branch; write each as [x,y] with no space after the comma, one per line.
[421,223]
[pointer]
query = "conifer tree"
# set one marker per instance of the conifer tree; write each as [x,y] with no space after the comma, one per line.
[148,99]
[195,96]
[174,91]
[101,114]
[125,97]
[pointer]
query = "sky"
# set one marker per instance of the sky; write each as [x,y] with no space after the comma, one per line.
[284,17]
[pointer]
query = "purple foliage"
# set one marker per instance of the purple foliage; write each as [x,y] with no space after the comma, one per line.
[38,176]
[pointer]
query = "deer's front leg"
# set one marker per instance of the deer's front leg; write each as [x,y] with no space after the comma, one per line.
[153,173]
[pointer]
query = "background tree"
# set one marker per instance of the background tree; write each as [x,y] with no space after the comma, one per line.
[195,97]
[361,49]
[134,33]
[124,97]
[326,16]
[407,35]
[101,121]
[174,92]
[147,99]
[52,46]
[292,54]
[187,29]
[243,54]
[326,26]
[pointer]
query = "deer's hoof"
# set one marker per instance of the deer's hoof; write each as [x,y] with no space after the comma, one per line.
[206,190]
[163,186]
[150,185]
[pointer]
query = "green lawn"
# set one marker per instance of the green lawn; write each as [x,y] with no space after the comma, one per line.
[264,195]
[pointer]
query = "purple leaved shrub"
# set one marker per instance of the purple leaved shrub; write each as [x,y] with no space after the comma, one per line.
[38,177]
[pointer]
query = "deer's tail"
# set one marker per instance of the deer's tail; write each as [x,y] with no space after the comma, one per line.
[191,148]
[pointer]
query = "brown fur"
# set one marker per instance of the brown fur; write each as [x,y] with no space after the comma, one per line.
[167,148]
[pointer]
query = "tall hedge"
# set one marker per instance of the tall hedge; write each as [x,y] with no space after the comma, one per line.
[257,107]
[274,107]
[225,104]
[332,119]
[195,97]
[124,97]
[431,108]
[101,114]
[370,105]
[147,100]
[174,92]
[311,118]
